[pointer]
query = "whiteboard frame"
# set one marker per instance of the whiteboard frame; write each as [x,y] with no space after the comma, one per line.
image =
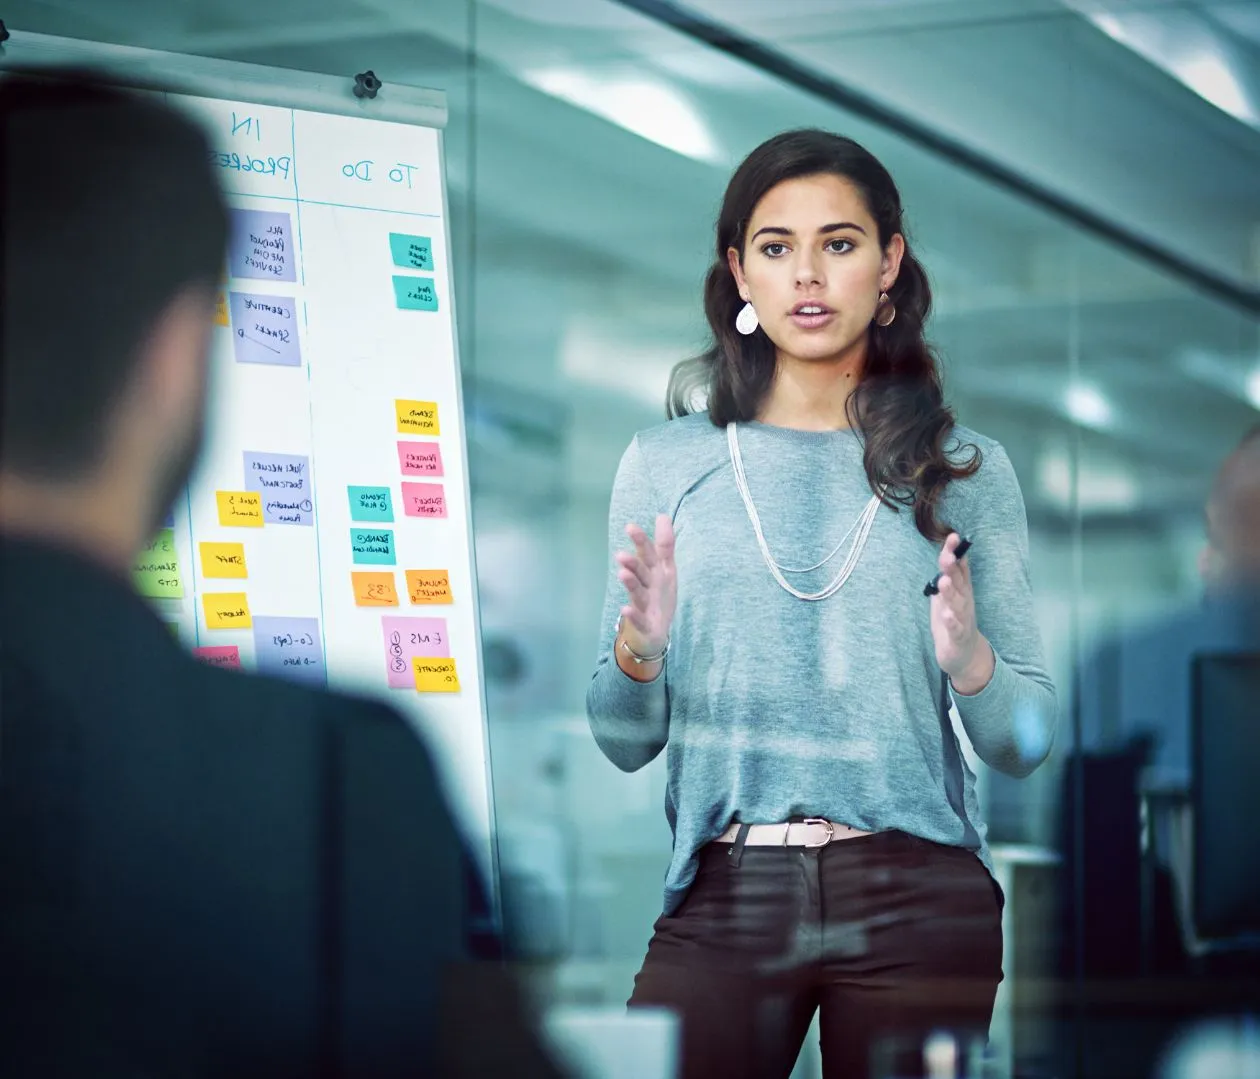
[223,80]
[135,68]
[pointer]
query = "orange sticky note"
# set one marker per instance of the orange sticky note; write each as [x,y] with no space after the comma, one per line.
[429,586]
[223,560]
[220,310]
[435,675]
[374,589]
[417,417]
[226,610]
[240,508]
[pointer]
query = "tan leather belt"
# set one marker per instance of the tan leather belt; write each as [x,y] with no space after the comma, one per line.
[813,832]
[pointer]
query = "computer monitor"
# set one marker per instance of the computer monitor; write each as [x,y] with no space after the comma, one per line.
[1225,794]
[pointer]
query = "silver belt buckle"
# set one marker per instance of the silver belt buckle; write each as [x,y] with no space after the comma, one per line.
[831,831]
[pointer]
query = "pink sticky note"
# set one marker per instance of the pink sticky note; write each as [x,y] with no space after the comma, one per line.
[420,459]
[424,499]
[406,638]
[220,655]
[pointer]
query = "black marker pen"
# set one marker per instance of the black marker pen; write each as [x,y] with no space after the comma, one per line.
[931,589]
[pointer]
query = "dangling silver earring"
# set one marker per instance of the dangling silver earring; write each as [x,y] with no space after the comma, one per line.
[886,311]
[746,320]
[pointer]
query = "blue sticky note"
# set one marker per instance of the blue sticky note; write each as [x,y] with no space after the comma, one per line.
[372,546]
[290,648]
[260,245]
[370,504]
[415,294]
[283,479]
[411,252]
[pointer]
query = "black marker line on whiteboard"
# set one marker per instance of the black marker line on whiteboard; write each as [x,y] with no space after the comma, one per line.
[261,344]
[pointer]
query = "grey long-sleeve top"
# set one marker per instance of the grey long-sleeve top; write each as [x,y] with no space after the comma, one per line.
[772,707]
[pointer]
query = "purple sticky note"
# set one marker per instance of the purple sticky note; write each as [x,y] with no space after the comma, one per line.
[261,245]
[406,638]
[420,458]
[284,481]
[290,648]
[264,329]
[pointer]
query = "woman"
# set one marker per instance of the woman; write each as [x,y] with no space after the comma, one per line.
[776,636]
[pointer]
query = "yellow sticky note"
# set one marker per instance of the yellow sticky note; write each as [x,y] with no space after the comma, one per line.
[221,310]
[240,508]
[435,675]
[374,588]
[418,417]
[156,570]
[223,560]
[429,586]
[226,610]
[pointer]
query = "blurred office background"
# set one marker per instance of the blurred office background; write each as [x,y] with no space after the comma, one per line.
[1080,178]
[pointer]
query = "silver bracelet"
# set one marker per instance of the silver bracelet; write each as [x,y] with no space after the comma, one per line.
[646,659]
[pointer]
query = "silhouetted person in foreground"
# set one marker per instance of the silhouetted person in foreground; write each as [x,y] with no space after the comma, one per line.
[202,872]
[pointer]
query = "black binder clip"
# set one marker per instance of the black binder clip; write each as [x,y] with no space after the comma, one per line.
[366,84]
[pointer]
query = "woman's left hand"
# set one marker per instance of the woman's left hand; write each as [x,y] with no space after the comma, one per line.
[961,649]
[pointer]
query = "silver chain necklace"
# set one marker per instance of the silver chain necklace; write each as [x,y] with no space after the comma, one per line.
[863,524]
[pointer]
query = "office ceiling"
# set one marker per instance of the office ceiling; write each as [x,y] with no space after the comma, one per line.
[588,148]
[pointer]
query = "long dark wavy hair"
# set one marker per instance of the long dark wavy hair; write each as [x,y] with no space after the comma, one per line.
[898,406]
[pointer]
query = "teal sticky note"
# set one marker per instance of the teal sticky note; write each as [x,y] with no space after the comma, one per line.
[412,252]
[415,294]
[372,546]
[370,504]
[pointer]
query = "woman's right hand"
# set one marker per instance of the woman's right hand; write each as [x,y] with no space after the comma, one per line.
[652,583]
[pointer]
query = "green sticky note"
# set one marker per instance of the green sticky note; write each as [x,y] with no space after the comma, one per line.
[370,504]
[372,546]
[411,252]
[415,294]
[156,570]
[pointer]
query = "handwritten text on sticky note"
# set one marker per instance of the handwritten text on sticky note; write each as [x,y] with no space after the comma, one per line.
[264,330]
[371,504]
[220,655]
[156,570]
[290,648]
[428,586]
[260,245]
[372,546]
[415,294]
[412,252]
[420,458]
[220,310]
[424,499]
[240,508]
[435,675]
[374,588]
[405,639]
[417,417]
[223,560]
[284,481]
[226,610]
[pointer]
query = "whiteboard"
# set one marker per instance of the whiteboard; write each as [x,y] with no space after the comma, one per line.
[326,535]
